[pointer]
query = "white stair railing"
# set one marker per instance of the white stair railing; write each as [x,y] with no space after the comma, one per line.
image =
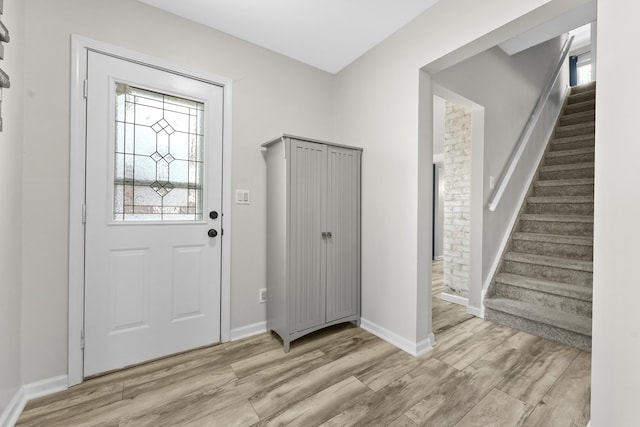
[525,136]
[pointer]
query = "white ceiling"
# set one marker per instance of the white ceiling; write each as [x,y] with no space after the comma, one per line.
[327,34]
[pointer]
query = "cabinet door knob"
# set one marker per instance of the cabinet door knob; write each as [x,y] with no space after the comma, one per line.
[329,234]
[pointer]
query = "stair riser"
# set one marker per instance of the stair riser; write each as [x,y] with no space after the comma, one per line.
[564,190]
[568,119]
[579,108]
[561,250]
[584,130]
[572,145]
[557,274]
[560,208]
[567,160]
[562,336]
[555,302]
[567,174]
[581,97]
[552,227]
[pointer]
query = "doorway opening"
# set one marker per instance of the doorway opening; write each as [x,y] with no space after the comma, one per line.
[458,129]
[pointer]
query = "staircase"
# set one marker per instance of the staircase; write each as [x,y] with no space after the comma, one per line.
[543,285]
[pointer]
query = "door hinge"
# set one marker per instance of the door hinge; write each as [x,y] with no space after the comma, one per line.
[84,213]
[82,340]
[85,88]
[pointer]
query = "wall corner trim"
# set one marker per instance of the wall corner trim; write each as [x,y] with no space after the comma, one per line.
[12,412]
[413,348]
[248,331]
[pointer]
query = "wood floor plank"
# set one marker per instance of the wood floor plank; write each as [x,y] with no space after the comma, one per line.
[388,370]
[566,404]
[153,402]
[239,414]
[55,409]
[402,421]
[449,402]
[497,409]
[272,401]
[389,403]
[539,367]
[446,315]
[321,406]
[465,353]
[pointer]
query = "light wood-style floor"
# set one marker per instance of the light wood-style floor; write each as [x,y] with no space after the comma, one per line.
[479,374]
[444,314]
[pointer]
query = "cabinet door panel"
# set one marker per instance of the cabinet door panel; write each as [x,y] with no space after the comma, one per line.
[343,214]
[308,221]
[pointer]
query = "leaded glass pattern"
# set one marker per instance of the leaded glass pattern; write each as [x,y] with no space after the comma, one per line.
[158,156]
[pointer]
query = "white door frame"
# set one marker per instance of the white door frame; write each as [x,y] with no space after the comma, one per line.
[77,129]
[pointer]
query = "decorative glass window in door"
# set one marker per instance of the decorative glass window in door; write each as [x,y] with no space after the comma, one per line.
[158,156]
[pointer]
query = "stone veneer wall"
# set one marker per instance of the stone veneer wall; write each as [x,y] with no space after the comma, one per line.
[457,199]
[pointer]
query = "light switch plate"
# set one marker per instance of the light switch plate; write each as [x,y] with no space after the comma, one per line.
[242,197]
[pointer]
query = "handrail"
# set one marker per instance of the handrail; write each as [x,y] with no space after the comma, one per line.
[528,130]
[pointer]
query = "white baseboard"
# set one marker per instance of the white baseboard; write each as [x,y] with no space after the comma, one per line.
[413,348]
[456,299]
[248,331]
[31,391]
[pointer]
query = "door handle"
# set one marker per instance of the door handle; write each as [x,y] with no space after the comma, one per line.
[212,233]
[326,234]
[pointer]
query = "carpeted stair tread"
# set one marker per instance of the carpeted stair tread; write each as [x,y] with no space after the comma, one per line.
[569,142]
[571,152]
[557,218]
[554,238]
[571,322]
[582,96]
[588,104]
[560,199]
[550,261]
[571,166]
[563,182]
[583,87]
[578,117]
[582,293]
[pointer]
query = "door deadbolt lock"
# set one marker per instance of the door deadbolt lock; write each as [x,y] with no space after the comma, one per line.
[213,214]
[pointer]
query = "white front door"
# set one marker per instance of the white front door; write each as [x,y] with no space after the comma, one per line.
[153,206]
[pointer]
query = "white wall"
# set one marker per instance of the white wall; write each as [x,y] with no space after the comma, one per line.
[272,94]
[439,108]
[508,88]
[616,292]
[382,105]
[11,212]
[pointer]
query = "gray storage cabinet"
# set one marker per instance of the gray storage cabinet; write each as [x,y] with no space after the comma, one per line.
[313,235]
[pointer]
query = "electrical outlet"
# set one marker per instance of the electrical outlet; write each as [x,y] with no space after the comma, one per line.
[263,295]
